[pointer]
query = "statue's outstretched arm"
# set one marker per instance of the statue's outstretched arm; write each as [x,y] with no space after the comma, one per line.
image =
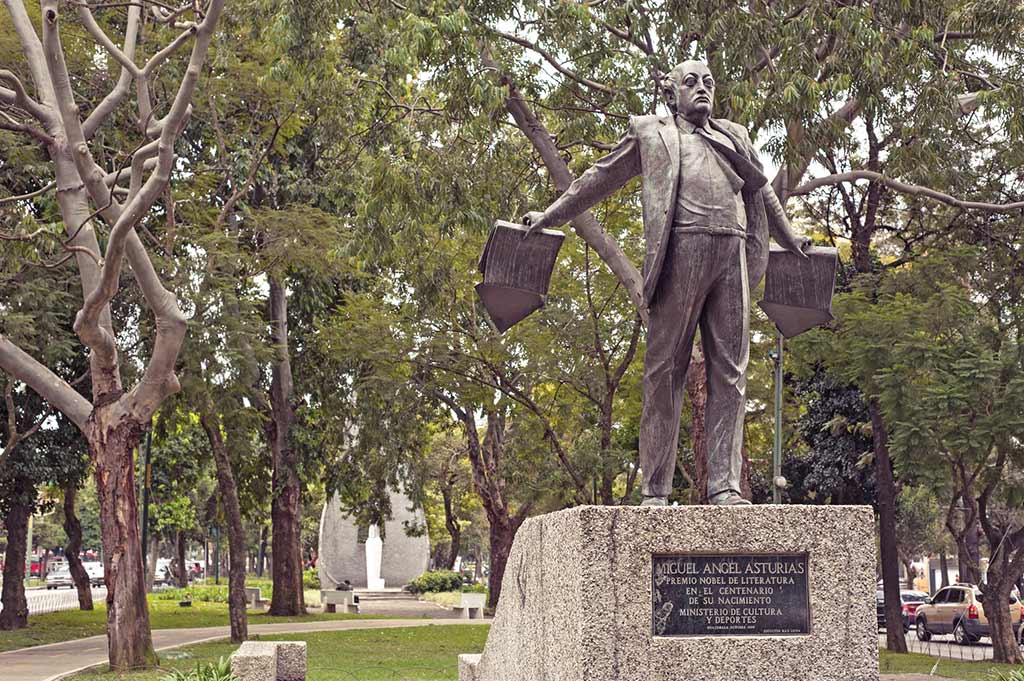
[600,180]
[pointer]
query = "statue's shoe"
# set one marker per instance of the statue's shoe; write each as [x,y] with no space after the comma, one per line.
[654,501]
[728,499]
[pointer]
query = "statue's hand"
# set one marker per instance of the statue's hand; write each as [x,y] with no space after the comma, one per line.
[533,220]
[799,245]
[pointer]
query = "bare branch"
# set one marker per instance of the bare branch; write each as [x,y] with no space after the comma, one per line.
[790,174]
[113,99]
[33,51]
[50,387]
[561,68]
[243,188]
[88,170]
[9,123]
[30,195]
[906,188]
[20,98]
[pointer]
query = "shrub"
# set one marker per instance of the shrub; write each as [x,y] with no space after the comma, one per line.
[1012,675]
[215,671]
[200,594]
[436,581]
[474,589]
[311,580]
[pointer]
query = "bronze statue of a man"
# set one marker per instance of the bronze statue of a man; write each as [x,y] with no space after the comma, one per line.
[707,213]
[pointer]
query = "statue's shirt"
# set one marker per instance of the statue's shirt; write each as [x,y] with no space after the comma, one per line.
[708,199]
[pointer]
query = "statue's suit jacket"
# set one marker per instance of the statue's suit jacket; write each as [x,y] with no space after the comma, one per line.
[651,149]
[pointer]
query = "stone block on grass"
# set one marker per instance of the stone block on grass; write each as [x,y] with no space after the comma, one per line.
[255,661]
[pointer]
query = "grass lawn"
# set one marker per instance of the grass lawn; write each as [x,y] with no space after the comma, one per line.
[423,653]
[72,624]
[914,663]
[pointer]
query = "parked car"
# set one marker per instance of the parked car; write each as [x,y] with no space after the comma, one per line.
[164,573]
[909,602]
[959,610]
[95,571]
[59,578]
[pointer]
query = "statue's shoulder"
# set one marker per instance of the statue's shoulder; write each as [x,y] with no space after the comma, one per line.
[642,125]
[732,127]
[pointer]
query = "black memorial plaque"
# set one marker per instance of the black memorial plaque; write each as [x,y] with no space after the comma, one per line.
[734,594]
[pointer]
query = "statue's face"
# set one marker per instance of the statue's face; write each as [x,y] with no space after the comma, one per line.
[693,90]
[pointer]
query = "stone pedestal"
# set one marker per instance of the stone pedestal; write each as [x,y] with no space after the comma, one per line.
[579,596]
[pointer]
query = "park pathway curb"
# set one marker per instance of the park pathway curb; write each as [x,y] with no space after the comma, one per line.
[58,660]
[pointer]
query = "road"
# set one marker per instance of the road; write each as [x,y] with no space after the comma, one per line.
[41,600]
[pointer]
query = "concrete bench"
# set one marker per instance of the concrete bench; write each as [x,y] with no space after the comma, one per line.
[269,661]
[330,600]
[470,606]
[254,598]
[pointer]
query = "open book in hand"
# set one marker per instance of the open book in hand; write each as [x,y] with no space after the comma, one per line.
[517,270]
[798,291]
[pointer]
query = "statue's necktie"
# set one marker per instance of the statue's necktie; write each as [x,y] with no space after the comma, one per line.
[753,178]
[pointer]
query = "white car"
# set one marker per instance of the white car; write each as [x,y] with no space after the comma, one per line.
[58,578]
[95,571]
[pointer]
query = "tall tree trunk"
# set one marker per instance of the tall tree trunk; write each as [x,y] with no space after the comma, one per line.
[179,558]
[285,511]
[129,642]
[15,612]
[944,566]
[972,546]
[697,389]
[73,528]
[236,534]
[451,523]
[886,485]
[502,534]
[997,599]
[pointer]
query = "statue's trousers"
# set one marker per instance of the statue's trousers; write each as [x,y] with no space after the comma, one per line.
[703,282]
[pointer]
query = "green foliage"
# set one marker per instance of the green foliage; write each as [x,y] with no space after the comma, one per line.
[311,580]
[214,671]
[200,594]
[436,581]
[1005,675]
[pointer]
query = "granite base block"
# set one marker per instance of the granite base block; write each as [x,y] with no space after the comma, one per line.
[255,661]
[576,600]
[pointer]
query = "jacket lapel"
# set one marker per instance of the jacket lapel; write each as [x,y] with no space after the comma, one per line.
[670,136]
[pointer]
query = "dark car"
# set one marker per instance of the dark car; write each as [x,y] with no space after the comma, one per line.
[909,602]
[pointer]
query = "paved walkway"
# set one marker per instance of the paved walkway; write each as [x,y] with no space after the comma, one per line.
[58,660]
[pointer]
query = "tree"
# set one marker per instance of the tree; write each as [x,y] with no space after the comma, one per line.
[88,187]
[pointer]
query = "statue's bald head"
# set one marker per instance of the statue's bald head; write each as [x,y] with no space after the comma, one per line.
[689,90]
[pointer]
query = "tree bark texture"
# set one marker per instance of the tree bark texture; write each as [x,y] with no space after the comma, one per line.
[15,612]
[73,529]
[179,559]
[502,534]
[285,512]
[944,566]
[697,389]
[997,598]
[451,523]
[228,492]
[129,642]
[894,637]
